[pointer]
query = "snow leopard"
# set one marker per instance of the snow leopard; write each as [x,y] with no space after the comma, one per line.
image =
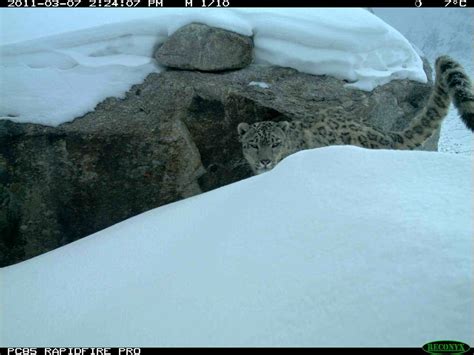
[266,143]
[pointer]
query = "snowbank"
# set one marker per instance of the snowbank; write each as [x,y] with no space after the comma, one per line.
[337,246]
[54,79]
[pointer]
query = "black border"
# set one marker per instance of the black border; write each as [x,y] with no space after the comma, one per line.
[152,350]
[232,3]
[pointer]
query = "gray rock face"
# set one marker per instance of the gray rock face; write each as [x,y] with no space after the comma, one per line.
[200,47]
[171,137]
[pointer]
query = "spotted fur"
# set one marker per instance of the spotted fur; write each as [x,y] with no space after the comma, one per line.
[266,143]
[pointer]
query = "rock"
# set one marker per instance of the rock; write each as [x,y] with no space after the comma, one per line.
[171,137]
[200,47]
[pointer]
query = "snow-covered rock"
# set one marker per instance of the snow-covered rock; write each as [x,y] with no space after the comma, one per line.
[337,246]
[54,79]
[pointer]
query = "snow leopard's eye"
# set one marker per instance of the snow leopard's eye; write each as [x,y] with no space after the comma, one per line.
[254,146]
[276,144]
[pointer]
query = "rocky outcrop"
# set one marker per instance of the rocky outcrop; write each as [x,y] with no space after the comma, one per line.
[171,137]
[200,47]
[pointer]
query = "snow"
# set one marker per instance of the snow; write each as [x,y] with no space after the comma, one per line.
[260,84]
[337,246]
[51,80]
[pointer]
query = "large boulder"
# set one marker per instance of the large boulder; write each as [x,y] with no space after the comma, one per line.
[171,137]
[200,47]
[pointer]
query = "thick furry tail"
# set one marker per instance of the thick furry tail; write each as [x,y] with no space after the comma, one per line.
[459,86]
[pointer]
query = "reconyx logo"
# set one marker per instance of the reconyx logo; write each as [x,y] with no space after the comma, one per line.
[446,347]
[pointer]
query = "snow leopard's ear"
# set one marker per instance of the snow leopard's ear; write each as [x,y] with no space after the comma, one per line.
[284,125]
[242,128]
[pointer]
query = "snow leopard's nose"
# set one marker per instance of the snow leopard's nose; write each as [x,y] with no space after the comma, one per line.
[265,162]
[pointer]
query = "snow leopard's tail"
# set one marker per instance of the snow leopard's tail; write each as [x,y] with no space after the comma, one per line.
[459,87]
[451,83]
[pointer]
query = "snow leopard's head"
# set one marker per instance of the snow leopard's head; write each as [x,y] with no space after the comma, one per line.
[264,143]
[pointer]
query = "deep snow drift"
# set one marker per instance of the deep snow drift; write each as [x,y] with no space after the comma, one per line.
[336,246]
[54,79]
